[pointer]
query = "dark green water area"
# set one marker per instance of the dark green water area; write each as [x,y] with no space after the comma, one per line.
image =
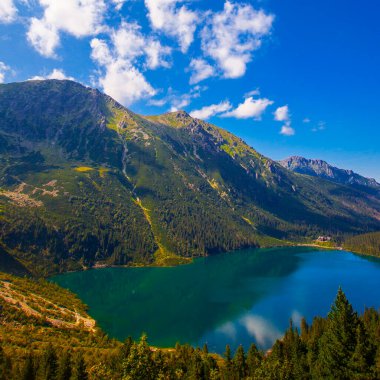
[236,298]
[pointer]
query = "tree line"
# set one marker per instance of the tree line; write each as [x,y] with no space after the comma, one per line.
[368,244]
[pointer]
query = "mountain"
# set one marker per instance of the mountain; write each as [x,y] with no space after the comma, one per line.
[322,169]
[85,181]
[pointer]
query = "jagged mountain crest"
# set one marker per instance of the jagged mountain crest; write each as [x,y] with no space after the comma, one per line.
[322,169]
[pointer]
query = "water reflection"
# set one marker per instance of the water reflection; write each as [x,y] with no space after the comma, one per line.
[238,298]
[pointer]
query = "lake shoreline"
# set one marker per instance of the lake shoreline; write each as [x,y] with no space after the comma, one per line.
[101,265]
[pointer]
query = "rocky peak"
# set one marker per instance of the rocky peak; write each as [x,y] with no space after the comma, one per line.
[322,169]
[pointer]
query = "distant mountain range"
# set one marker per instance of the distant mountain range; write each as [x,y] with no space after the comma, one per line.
[85,181]
[320,168]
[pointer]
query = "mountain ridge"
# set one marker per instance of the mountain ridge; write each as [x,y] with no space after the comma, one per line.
[85,181]
[322,169]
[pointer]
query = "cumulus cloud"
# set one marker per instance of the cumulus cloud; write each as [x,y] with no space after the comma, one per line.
[43,37]
[282,114]
[251,108]
[125,83]
[3,69]
[201,70]
[173,20]
[232,35]
[121,79]
[120,59]
[287,130]
[75,17]
[8,11]
[212,110]
[131,44]
[55,74]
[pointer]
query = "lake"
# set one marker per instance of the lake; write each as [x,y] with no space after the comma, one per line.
[236,298]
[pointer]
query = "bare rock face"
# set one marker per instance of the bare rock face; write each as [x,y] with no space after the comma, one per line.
[320,168]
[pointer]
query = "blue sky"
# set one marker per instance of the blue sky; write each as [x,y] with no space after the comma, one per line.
[291,77]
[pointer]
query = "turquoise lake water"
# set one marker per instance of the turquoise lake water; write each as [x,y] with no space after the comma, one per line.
[235,298]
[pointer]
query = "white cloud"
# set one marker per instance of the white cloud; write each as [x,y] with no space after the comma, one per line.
[250,108]
[8,11]
[282,114]
[306,120]
[179,102]
[125,83]
[119,4]
[233,34]
[3,69]
[255,92]
[55,74]
[121,79]
[321,126]
[176,100]
[208,111]
[158,102]
[79,18]
[287,129]
[157,54]
[131,44]
[43,37]
[174,21]
[201,70]
[100,52]
[120,58]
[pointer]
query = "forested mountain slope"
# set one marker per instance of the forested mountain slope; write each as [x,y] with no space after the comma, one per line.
[84,180]
[368,244]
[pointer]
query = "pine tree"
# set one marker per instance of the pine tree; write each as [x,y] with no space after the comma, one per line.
[28,370]
[64,368]
[239,363]
[254,358]
[50,364]
[80,371]
[338,342]
[3,365]
[304,330]
[363,358]
[228,369]
[139,364]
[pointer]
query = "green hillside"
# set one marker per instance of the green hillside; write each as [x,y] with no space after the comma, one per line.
[84,181]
